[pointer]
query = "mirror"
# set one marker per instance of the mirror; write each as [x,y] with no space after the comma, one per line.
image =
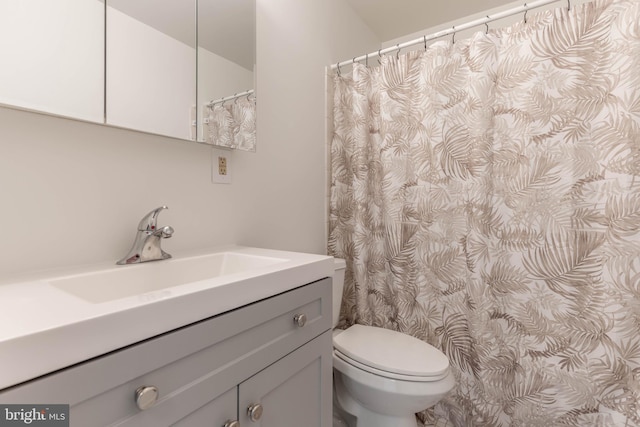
[136,64]
[53,57]
[226,60]
[151,66]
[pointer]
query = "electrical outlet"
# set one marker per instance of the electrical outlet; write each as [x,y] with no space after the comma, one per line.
[221,166]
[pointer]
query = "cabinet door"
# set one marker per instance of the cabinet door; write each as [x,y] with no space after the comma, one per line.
[216,413]
[293,392]
[190,367]
[52,55]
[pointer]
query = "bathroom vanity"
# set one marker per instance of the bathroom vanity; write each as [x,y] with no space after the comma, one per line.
[264,362]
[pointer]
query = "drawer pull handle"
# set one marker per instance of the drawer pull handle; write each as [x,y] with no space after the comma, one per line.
[231,423]
[300,320]
[255,412]
[146,397]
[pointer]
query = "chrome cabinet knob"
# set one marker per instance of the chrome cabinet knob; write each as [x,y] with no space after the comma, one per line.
[146,397]
[231,423]
[255,412]
[300,320]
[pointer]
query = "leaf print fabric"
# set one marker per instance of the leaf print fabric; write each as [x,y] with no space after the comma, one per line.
[232,125]
[221,126]
[486,197]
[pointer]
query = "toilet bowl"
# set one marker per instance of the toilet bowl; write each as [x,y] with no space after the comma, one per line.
[383,377]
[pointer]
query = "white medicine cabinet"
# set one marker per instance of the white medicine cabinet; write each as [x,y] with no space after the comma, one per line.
[145,65]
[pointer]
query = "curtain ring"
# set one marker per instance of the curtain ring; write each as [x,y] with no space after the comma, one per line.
[398,52]
[568,4]
[525,13]
[235,101]
[486,24]
[453,37]
[366,60]
[425,43]
[379,56]
[338,68]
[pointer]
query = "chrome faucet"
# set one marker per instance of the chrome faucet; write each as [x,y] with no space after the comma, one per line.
[146,246]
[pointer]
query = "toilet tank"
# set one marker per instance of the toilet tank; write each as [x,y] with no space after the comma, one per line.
[340,266]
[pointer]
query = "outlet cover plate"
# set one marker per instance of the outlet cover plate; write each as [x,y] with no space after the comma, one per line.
[221,156]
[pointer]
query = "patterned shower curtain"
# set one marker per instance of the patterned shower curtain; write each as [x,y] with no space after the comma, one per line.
[486,196]
[232,125]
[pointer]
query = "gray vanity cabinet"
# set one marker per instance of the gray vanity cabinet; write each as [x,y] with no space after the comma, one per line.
[218,412]
[209,372]
[290,392]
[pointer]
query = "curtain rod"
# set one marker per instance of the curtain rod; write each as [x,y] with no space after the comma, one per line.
[424,39]
[229,98]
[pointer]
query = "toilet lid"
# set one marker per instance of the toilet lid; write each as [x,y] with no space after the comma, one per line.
[391,351]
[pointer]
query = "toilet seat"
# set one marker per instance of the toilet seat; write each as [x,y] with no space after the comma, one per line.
[390,354]
[385,374]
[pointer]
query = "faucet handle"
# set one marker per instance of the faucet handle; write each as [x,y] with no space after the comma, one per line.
[149,222]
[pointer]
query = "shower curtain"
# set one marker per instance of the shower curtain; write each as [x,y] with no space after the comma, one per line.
[232,125]
[486,196]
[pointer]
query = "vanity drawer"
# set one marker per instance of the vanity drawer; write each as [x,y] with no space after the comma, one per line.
[189,366]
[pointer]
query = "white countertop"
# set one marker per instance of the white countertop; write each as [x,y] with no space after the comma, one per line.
[44,328]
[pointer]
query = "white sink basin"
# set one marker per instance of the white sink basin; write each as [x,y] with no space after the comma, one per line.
[49,321]
[121,282]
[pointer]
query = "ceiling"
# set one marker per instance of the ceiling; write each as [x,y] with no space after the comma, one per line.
[392,19]
[225,27]
[228,28]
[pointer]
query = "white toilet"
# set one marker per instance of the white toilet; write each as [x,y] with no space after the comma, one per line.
[383,377]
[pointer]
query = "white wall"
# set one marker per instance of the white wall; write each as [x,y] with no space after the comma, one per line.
[280,191]
[72,193]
